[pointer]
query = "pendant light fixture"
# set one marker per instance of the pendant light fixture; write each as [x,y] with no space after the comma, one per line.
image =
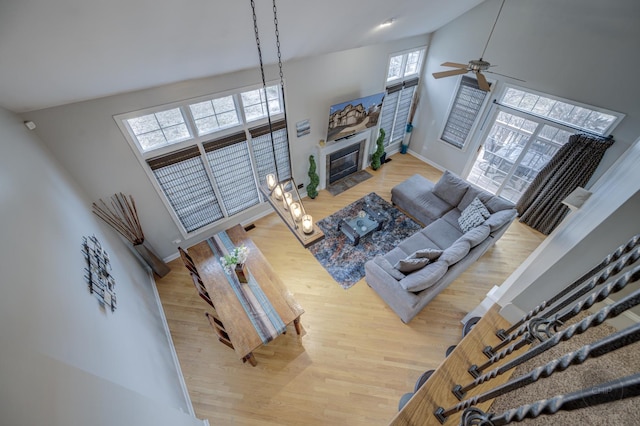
[282,193]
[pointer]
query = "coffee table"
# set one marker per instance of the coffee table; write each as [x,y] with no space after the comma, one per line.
[367,221]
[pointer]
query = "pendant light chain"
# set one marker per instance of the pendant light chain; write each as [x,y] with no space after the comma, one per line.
[264,87]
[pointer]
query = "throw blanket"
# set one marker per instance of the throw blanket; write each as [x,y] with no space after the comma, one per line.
[262,314]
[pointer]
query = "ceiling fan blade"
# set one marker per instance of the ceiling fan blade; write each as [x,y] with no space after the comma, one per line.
[508,76]
[455,65]
[482,82]
[449,73]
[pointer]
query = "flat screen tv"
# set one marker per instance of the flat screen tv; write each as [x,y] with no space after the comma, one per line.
[349,118]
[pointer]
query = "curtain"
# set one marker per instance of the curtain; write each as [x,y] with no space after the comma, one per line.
[573,165]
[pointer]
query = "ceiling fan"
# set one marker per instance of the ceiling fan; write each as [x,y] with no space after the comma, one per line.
[476,66]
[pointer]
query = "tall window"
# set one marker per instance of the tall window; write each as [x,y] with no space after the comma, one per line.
[464,112]
[204,158]
[402,83]
[524,132]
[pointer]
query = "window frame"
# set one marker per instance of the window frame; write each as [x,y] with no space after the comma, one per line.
[199,141]
[403,65]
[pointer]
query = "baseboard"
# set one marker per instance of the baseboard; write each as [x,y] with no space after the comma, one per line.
[174,355]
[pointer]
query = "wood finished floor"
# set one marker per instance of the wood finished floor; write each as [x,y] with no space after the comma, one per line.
[355,358]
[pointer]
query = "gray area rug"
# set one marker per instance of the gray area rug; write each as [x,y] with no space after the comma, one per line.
[350,181]
[594,371]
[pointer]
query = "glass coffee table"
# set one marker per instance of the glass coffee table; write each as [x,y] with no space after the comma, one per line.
[367,221]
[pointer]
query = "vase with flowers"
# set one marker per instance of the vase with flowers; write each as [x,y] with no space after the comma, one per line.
[234,262]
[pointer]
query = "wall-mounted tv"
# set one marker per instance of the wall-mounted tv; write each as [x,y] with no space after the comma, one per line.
[349,118]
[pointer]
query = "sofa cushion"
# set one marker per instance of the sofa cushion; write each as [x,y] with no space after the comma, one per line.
[429,253]
[442,233]
[388,267]
[473,215]
[411,264]
[429,205]
[499,219]
[450,188]
[496,204]
[470,195]
[425,277]
[417,241]
[476,235]
[456,252]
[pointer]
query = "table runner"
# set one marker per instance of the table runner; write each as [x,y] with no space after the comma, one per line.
[261,313]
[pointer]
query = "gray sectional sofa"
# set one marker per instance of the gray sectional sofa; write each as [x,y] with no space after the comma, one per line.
[412,274]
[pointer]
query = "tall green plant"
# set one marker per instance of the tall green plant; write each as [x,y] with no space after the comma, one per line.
[375,158]
[312,188]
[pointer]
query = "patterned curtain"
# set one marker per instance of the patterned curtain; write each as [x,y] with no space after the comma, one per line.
[573,165]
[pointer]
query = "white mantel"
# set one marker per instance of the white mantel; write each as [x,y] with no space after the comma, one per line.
[331,147]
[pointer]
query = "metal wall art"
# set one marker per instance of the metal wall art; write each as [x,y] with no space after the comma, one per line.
[98,272]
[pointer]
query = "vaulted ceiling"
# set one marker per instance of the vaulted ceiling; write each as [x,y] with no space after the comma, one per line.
[63,51]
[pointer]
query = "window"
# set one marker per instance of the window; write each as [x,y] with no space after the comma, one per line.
[215,114]
[525,131]
[405,65]
[396,109]
[255,105]
[159,129]
[202,156]
[464,112]
[402,83]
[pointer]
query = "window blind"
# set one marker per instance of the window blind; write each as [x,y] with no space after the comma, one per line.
[230,164]
[464,112]
[263,151]
[396,109]
[184,181]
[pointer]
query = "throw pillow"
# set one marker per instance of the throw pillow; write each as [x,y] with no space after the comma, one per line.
[429,253]
[425,277]
[450,188]
[477,235]
[473,215]
[388,267]
[499,219]
[456,252]
[411,264]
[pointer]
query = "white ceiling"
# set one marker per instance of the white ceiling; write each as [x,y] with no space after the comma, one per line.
[63,51]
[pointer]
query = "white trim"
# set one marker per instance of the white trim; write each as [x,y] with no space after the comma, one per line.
[426,160]
[174,355]
[404,54]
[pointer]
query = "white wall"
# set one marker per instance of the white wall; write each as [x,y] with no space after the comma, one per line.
[84,137]
[583,50]
[46,310]
[607,220]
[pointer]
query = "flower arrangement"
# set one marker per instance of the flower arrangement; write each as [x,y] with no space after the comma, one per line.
[237,257]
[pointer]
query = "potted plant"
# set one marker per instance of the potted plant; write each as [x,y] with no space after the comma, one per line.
[312,188]
[376,158]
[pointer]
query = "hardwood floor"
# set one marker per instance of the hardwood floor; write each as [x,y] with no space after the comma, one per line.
[355,358]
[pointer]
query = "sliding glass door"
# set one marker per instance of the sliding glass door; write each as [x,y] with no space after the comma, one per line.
[513,152]
[525,131]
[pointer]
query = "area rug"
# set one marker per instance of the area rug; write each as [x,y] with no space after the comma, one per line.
[344,261]
[350,181]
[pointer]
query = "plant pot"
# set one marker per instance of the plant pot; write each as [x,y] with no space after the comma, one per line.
[242,273]
[155,263]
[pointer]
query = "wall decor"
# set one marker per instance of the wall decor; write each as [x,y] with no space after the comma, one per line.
[122,216]
[98,272]
[303,127]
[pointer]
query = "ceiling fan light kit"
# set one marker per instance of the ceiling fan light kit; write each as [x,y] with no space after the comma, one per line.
[476,66]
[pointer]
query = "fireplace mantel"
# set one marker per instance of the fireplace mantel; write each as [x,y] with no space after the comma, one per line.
[331,147]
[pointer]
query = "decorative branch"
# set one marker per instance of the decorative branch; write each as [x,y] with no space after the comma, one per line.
[121,216]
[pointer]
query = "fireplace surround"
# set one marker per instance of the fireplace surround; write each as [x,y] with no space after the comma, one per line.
[341,158]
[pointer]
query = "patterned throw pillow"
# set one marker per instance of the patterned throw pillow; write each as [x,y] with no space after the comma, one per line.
[473,215]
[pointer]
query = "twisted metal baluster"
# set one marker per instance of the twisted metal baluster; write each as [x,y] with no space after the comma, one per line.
[627,387]
[603,293]
[602,347]
[610,311]
[601,278]
[612,257]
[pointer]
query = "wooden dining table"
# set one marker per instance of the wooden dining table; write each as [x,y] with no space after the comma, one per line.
[238,325]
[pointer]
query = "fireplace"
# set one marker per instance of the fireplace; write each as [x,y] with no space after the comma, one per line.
[345,161]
